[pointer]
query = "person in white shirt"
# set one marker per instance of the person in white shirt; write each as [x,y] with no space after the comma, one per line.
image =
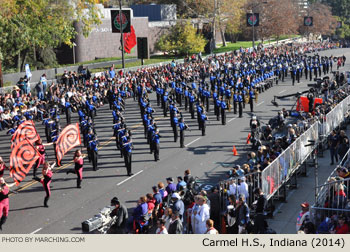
[161,227]
[210,227]
[242,188]
[232,188]
[201,215]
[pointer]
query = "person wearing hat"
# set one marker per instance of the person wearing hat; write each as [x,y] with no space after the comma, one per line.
[171,187]
[178,205]
[303,217]
[120,212]
[242,187]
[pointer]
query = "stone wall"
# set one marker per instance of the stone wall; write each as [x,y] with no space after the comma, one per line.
[102,43]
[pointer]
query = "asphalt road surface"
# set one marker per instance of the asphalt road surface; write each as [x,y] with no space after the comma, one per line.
[208,157]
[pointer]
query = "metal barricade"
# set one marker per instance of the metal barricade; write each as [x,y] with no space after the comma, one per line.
[233,186]
[287,163]
[333,199]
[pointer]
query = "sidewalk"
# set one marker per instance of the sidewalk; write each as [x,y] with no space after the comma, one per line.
[285,215]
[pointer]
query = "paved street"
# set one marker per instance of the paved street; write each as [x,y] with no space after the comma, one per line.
[208,158]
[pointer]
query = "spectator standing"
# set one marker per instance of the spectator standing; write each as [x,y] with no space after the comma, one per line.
[167,217]
[178,205]
[161,227]
[259,222]
[214,198]
[210,227]
[175,226]
[333,142]
[201,215]
[243,215]
[303,217]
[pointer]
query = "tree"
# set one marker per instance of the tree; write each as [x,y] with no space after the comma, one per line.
[182,39]
[29,26]
[343,32]
[340,8]
[323,21]
[277,17]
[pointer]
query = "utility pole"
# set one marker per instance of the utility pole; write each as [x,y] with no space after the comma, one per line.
[121,32]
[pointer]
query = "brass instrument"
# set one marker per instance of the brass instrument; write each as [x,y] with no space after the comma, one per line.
[246,99]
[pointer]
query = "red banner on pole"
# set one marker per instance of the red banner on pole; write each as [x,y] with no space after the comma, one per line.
[25,130]
[68,139]
[23,157]
[129,40]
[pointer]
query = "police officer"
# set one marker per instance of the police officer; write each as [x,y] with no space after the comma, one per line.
[182,126]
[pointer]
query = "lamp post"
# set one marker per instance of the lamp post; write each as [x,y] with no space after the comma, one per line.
[121,32]
[254,15]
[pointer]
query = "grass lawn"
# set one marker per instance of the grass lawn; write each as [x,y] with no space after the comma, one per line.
[153,60]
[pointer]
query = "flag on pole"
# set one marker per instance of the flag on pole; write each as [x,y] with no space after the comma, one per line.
[68,139]
[23,157]
[129,40]
[25,130]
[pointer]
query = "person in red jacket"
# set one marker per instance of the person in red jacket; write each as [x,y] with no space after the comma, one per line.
[46,180]
[342,227]
[4,201]
[150,202]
